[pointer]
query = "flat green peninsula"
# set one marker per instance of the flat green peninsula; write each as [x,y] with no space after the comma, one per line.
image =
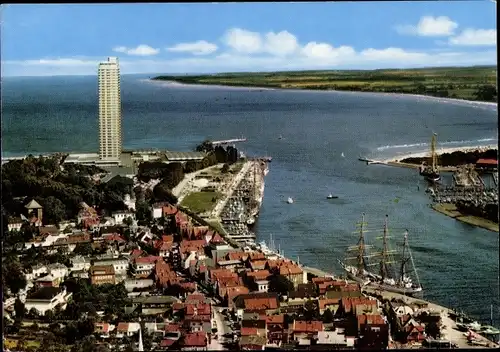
[470,83]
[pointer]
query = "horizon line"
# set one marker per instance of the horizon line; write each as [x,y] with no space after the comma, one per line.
[256,72]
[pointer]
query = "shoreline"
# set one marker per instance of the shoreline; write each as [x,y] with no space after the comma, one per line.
[431,97]
[451,211]
[466,149]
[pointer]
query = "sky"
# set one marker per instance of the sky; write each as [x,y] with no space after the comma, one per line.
[71,39]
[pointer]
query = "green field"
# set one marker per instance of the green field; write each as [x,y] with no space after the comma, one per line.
[470,83]
[201,202]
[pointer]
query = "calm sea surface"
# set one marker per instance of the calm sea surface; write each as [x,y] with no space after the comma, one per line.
[457,263]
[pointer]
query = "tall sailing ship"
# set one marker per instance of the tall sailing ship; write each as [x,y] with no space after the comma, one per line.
[389,277]
[431,172]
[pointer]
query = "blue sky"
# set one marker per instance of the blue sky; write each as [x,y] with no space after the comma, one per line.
[67,39]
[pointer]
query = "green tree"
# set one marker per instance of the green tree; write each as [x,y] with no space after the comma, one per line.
[19,309]
[280,284]
[143,212]
[328,316]
[14,277]
[128,221]
[225,169]
[83,249]
[54,210]
[486,93]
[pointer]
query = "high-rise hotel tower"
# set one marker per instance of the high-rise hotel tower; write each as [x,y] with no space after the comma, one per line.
[110,114]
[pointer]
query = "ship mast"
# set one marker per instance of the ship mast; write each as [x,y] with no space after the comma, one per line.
[361,246]
[433,152]
[385,252]
[407,257]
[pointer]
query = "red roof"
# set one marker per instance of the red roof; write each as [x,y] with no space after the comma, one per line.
[199,309]
[172,327]
[248,331]
[275,319]
[114,237]
[149,259]
[307,326]
[487,161]
[102,327]
[136,253]
[167,342]
[195,339]
[370,319]
[122,327]
[217,239]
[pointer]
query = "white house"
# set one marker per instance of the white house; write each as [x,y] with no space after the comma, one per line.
[127,329]
[144,265]
[15,224]
[80,263]
[47,298]
[47,241]
[120,265]
[262,285]
[129,202]
[103,329]
[157,211]
[58,270]
[131,284]
[119,216]
[36,271]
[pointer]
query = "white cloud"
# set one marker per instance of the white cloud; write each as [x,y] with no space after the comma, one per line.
[324,51]
[478,37]
[141,50]
[282,43]
[201,47]
[392,55]
[243,41]
[260,52]
[430,26]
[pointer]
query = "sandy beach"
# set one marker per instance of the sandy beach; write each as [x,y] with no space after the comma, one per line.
[441,151]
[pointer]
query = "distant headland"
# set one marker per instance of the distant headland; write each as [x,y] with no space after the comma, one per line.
[476,83]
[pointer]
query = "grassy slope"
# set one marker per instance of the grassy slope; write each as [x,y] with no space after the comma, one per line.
[457,82]
[200,202]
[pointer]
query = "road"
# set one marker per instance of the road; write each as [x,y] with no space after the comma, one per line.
[222,329]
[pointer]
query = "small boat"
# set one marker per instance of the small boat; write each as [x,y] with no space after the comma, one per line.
[342,155]
[280,137]
[289,200]
[330,196]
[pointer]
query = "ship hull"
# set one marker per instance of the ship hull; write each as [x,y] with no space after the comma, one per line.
[367,281]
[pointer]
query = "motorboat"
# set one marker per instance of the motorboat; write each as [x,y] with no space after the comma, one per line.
[289,200]
[330,196]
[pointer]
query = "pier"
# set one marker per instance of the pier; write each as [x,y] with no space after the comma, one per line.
[228,141]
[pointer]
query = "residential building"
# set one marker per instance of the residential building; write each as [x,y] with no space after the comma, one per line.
[138,284]
[306,330]
[119,216]
[143,266]
[127,329]
[47,298]
[110,124]
[195,341]
[104,329]
[120,265]
[104,274]
[15,224]
[80,263]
